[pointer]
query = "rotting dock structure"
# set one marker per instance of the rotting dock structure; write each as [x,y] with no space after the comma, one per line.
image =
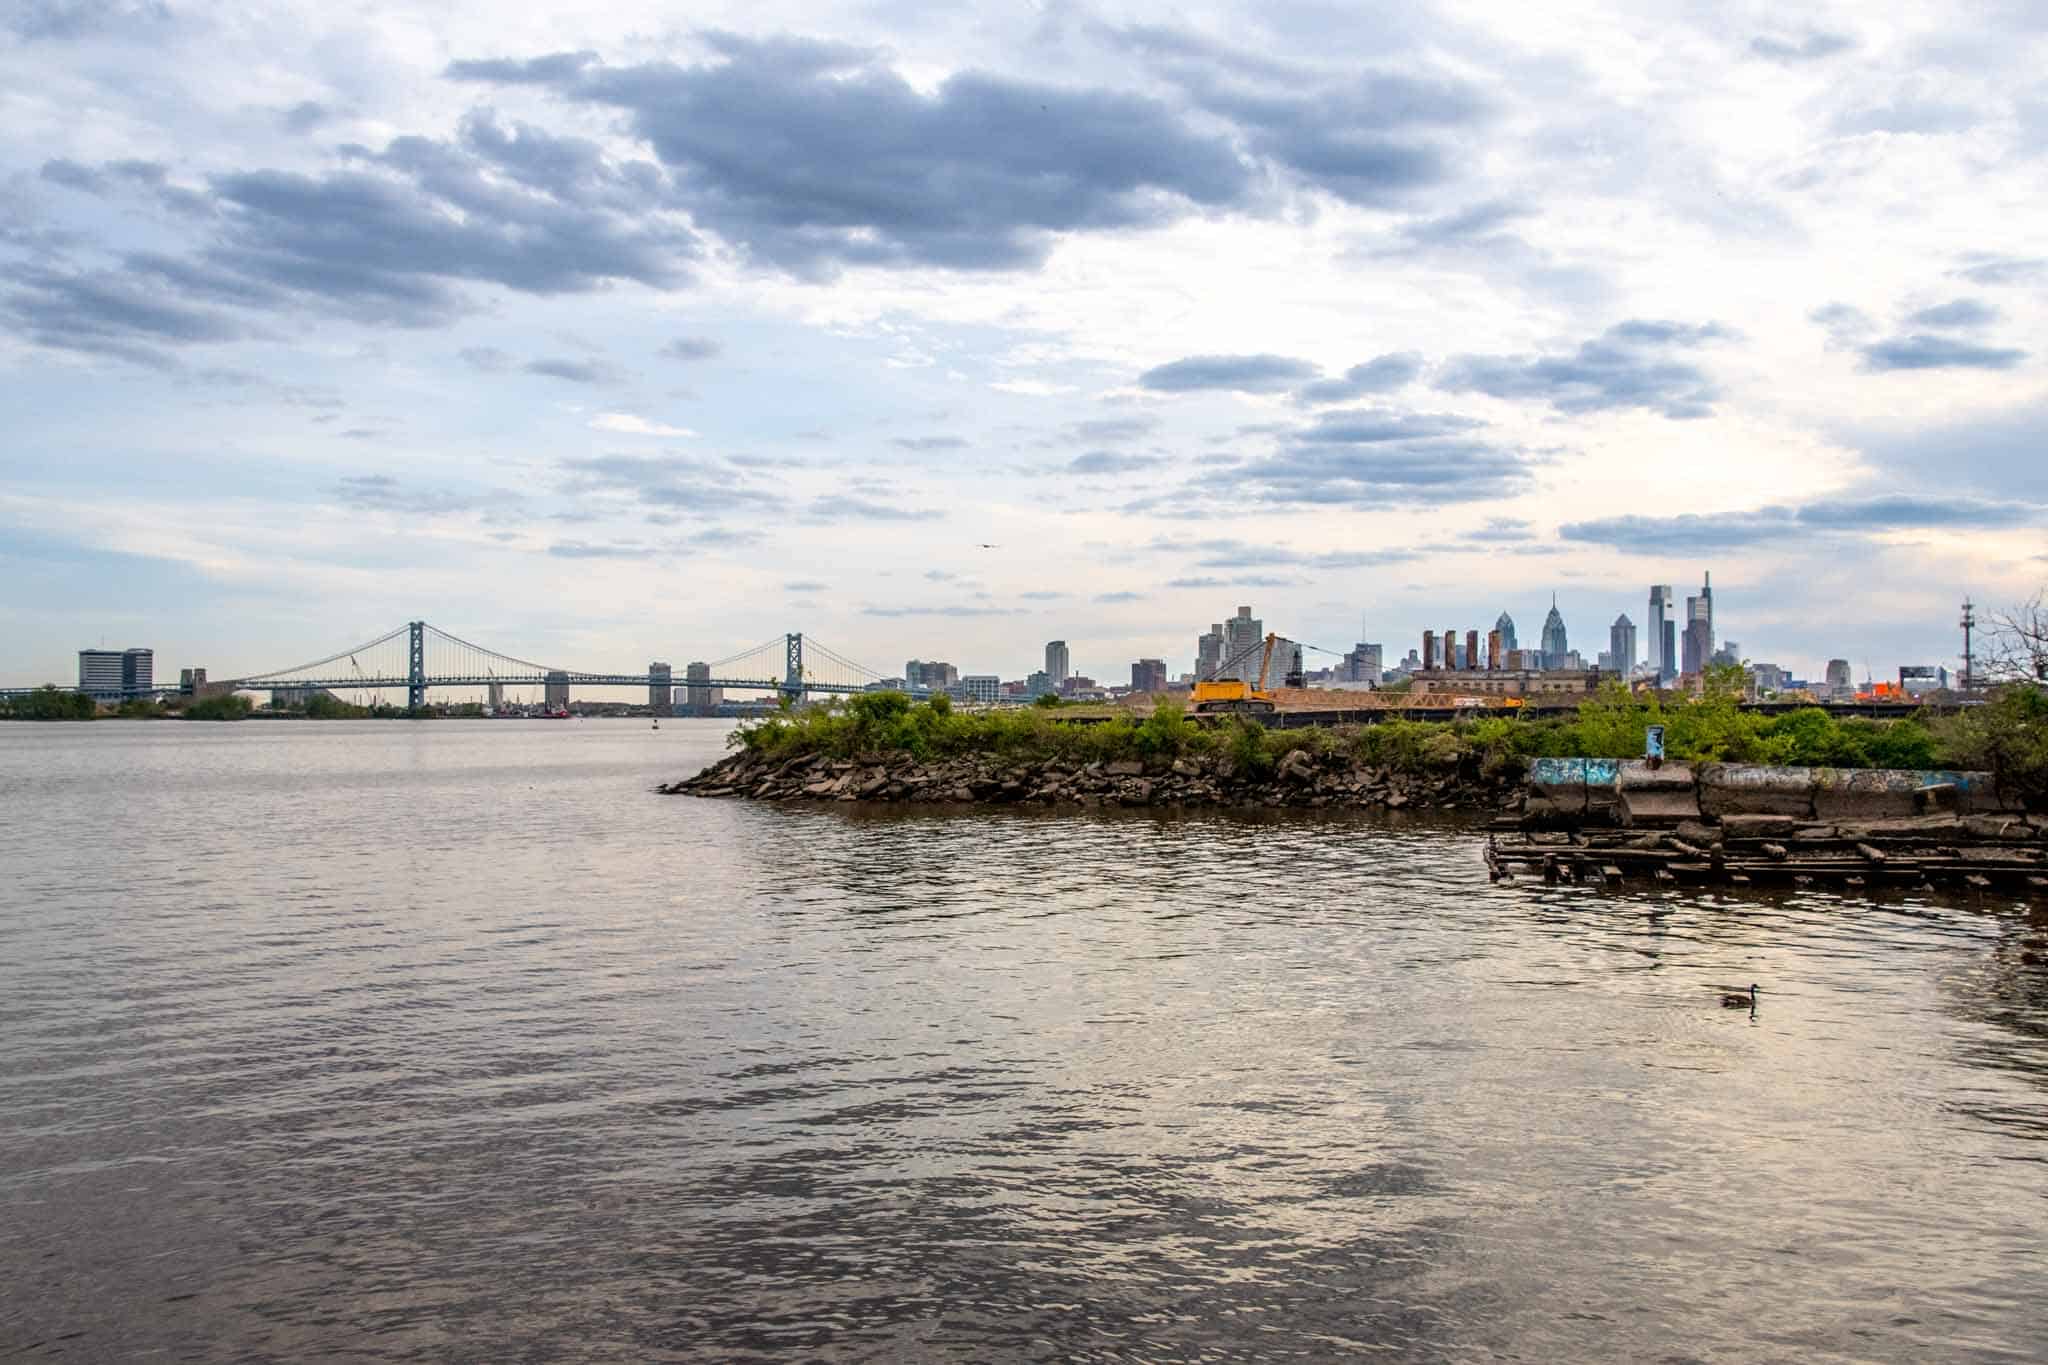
[1607,821]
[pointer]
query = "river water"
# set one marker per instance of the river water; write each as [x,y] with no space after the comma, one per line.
[452,1041]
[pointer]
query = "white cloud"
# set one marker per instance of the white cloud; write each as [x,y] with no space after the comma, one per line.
[626,424]
[1685,165]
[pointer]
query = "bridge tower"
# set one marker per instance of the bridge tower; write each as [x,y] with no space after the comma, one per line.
[416,670]
[793,667]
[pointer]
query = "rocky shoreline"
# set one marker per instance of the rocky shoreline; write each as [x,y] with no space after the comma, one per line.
[1301,779]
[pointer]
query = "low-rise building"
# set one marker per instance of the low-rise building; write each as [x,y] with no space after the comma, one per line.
[1918,680]
[1509,682]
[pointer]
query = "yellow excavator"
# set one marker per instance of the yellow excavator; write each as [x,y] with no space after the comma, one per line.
[1216,695]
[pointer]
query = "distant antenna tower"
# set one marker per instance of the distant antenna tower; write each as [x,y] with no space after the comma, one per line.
[1969,663]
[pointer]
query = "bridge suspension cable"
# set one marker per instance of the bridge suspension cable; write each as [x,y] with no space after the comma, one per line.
[775,644]
[419,655]
[335,657]
[811,645]
[485,651]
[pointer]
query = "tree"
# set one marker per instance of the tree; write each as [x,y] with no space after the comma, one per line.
[49,703]
[2016,643]
[2006,737]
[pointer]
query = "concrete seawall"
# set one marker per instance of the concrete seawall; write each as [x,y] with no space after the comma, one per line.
[1629,792]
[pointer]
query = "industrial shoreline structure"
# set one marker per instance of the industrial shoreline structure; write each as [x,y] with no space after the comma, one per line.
[1608,822]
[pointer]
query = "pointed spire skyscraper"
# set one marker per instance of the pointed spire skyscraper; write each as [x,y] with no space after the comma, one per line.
[1555,646]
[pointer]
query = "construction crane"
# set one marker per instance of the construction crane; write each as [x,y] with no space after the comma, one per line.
[1216,695]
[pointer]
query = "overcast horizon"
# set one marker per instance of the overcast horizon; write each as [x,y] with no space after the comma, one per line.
[939,332]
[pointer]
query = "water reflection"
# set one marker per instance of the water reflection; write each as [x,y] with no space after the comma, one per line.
[451,1040]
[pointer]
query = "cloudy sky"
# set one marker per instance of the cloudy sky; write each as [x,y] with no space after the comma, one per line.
[939,330]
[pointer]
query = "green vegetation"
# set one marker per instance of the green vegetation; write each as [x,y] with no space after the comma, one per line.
[48,703]
[2008,736]
[327,706]
[1713,727]
[229,706]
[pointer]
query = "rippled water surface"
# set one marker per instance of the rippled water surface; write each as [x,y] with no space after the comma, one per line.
[452,1041]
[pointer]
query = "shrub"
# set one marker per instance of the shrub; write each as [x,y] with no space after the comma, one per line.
[1165,733]
[878,725]
[48,703]
[2006,737]
[229,706]
[1244,745]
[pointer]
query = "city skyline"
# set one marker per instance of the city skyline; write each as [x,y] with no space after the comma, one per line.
[1241,630]
[479,320]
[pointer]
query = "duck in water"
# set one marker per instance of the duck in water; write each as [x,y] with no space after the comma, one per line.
[1741,1000]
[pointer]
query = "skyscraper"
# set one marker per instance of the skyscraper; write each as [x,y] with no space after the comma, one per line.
[1697,651]
[99,670]
[1057,665]
[1663,633]
[1555,646]
[1699,628]
[1240,633]
[1621,644]
[1506,626]
[116,670]
[1285,668]
[1148,675]
[660,693]
[704,699]
[1209,651]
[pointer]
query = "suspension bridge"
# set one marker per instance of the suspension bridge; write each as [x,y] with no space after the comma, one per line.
[417,656]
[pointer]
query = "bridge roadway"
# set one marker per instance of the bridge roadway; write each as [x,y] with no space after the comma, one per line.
[357,683]
[540,680]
